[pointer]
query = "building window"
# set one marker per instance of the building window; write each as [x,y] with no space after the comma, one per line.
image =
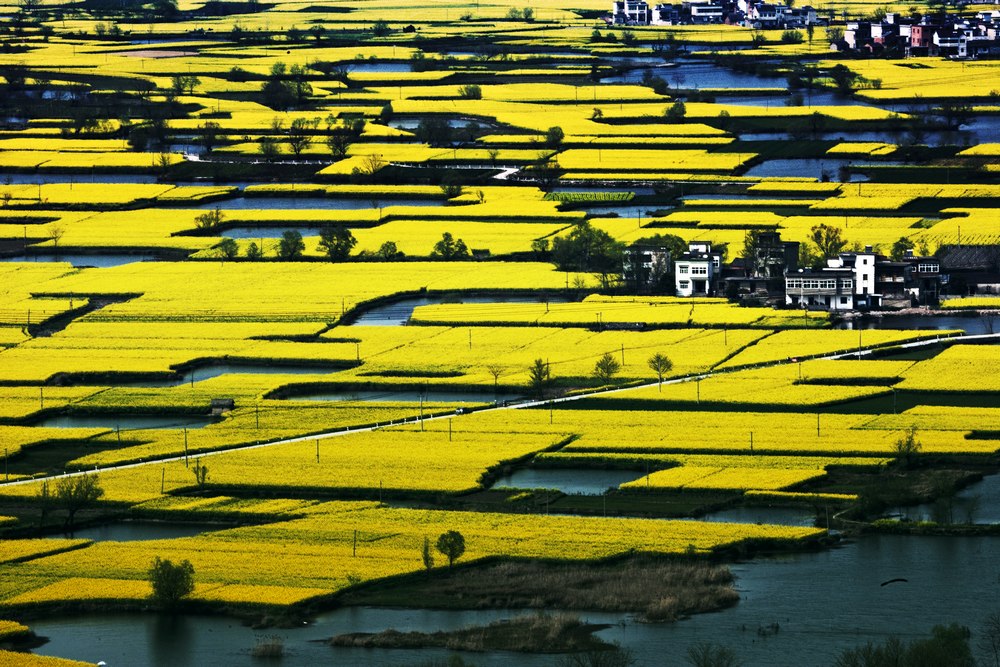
[828,284]
[794,283]
[699,270]
[682,268]
[843,300]
[928,268]
[684,284]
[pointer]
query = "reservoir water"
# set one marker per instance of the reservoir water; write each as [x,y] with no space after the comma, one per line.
[822,602]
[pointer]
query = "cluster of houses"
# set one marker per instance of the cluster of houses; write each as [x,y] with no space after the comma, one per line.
[750,13]
[929,35]
[856,280]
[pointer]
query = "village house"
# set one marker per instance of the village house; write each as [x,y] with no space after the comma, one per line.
[698,271]
[865,280]
[646,269]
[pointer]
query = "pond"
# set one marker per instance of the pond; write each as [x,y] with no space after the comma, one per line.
[215,369]
[633,211]
[978,504]
[126,422]
[102,260]
[823,602]
[817,168]
[414,123]
[399,312]
[34,179]
[362,68]
[265,232]
[140,531]
[698,74]
[336,203]
[970,325]
[815,99]
[567,480]
[782,516]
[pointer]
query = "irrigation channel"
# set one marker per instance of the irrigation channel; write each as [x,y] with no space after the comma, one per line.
[795,609]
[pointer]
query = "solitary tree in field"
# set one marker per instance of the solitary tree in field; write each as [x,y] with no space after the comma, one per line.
[606,368]
[76,493]
[554,136]
[200,471]
[539,377]
[496,370]
[661,365]
[907,447]
[450,248]
[337,243]
[170,582]
[452,545]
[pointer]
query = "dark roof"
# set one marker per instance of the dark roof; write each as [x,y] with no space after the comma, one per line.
[981,257]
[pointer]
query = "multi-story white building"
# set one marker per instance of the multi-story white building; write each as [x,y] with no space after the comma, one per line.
[698,271]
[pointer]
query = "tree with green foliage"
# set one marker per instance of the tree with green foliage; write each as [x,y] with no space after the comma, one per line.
[470,92]
[676,112]
[452,545]
[389,251]
[554,136]
[606,368]
[450,248]
[381,28]
[907,447]
[170,582]
[900,247]
[76,493]
[228,248]
[210,219]
[254,252]
[589,249]
[539,377]
[269,147]
[660,364]
[843,78]
[291,245]
[337,242]
[828,240]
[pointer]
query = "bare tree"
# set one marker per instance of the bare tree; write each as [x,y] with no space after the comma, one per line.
[989,639]
[496,370]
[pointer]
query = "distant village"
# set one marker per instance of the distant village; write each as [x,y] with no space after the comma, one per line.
[854,280]
[939,34]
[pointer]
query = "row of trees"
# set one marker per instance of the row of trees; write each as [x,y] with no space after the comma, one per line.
[540,377]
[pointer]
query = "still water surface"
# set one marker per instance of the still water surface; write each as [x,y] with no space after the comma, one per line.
[822,602]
